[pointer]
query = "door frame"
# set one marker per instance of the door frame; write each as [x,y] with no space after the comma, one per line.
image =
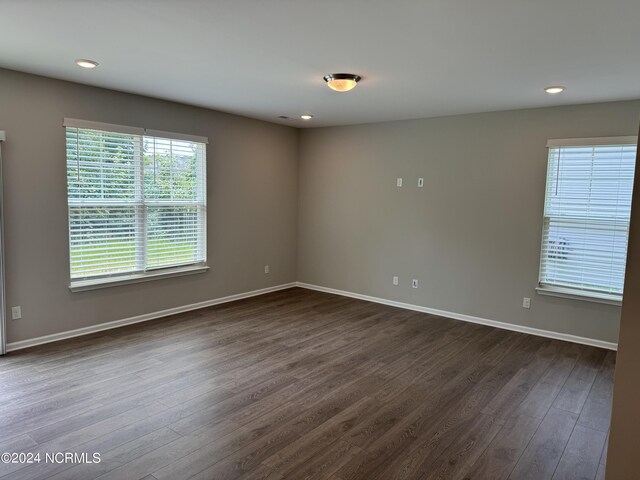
[3,303]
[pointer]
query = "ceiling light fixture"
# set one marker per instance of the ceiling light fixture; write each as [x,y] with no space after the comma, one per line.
[306,117]
[84,63]
[342,82]
[555,89]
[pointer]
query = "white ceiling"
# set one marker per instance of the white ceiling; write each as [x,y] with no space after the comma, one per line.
[264,58]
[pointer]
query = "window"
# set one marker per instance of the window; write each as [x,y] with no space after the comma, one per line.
[137,203]
[586,217]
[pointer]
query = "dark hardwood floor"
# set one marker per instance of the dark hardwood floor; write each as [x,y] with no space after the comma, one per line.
[305,385]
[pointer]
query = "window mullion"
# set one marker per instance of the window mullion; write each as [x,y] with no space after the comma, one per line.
[141,210]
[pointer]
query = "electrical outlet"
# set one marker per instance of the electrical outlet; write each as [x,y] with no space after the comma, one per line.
[421,182]
[16,313]
[266,269]
[526,302]
[398,182]
[395,280]
[414,283]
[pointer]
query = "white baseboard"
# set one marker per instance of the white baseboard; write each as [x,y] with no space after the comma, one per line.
[141,318]
[208,303]
[467,318]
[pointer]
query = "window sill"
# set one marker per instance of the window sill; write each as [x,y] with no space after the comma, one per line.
[82,285]
[580,295]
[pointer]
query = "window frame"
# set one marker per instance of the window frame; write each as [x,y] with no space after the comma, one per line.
[566,291]
[91,282]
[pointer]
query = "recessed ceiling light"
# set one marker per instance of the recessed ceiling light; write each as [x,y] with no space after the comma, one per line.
[306,117]
[342,82]
[555,89]
[84,63]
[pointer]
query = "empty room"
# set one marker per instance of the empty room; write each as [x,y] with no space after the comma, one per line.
[296,240]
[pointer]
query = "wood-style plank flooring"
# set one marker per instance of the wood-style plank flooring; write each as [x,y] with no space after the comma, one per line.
[305,385]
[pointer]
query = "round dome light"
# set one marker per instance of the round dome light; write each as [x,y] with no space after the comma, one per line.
[342,82]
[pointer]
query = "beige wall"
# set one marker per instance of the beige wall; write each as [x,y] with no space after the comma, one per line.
[252,201]
[623,461]
[471,235]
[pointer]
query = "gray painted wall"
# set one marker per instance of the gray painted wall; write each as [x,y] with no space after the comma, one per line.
[471,235]
[252,202]
[319,206]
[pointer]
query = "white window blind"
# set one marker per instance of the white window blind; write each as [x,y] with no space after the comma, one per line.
[586,216]
[137,202]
